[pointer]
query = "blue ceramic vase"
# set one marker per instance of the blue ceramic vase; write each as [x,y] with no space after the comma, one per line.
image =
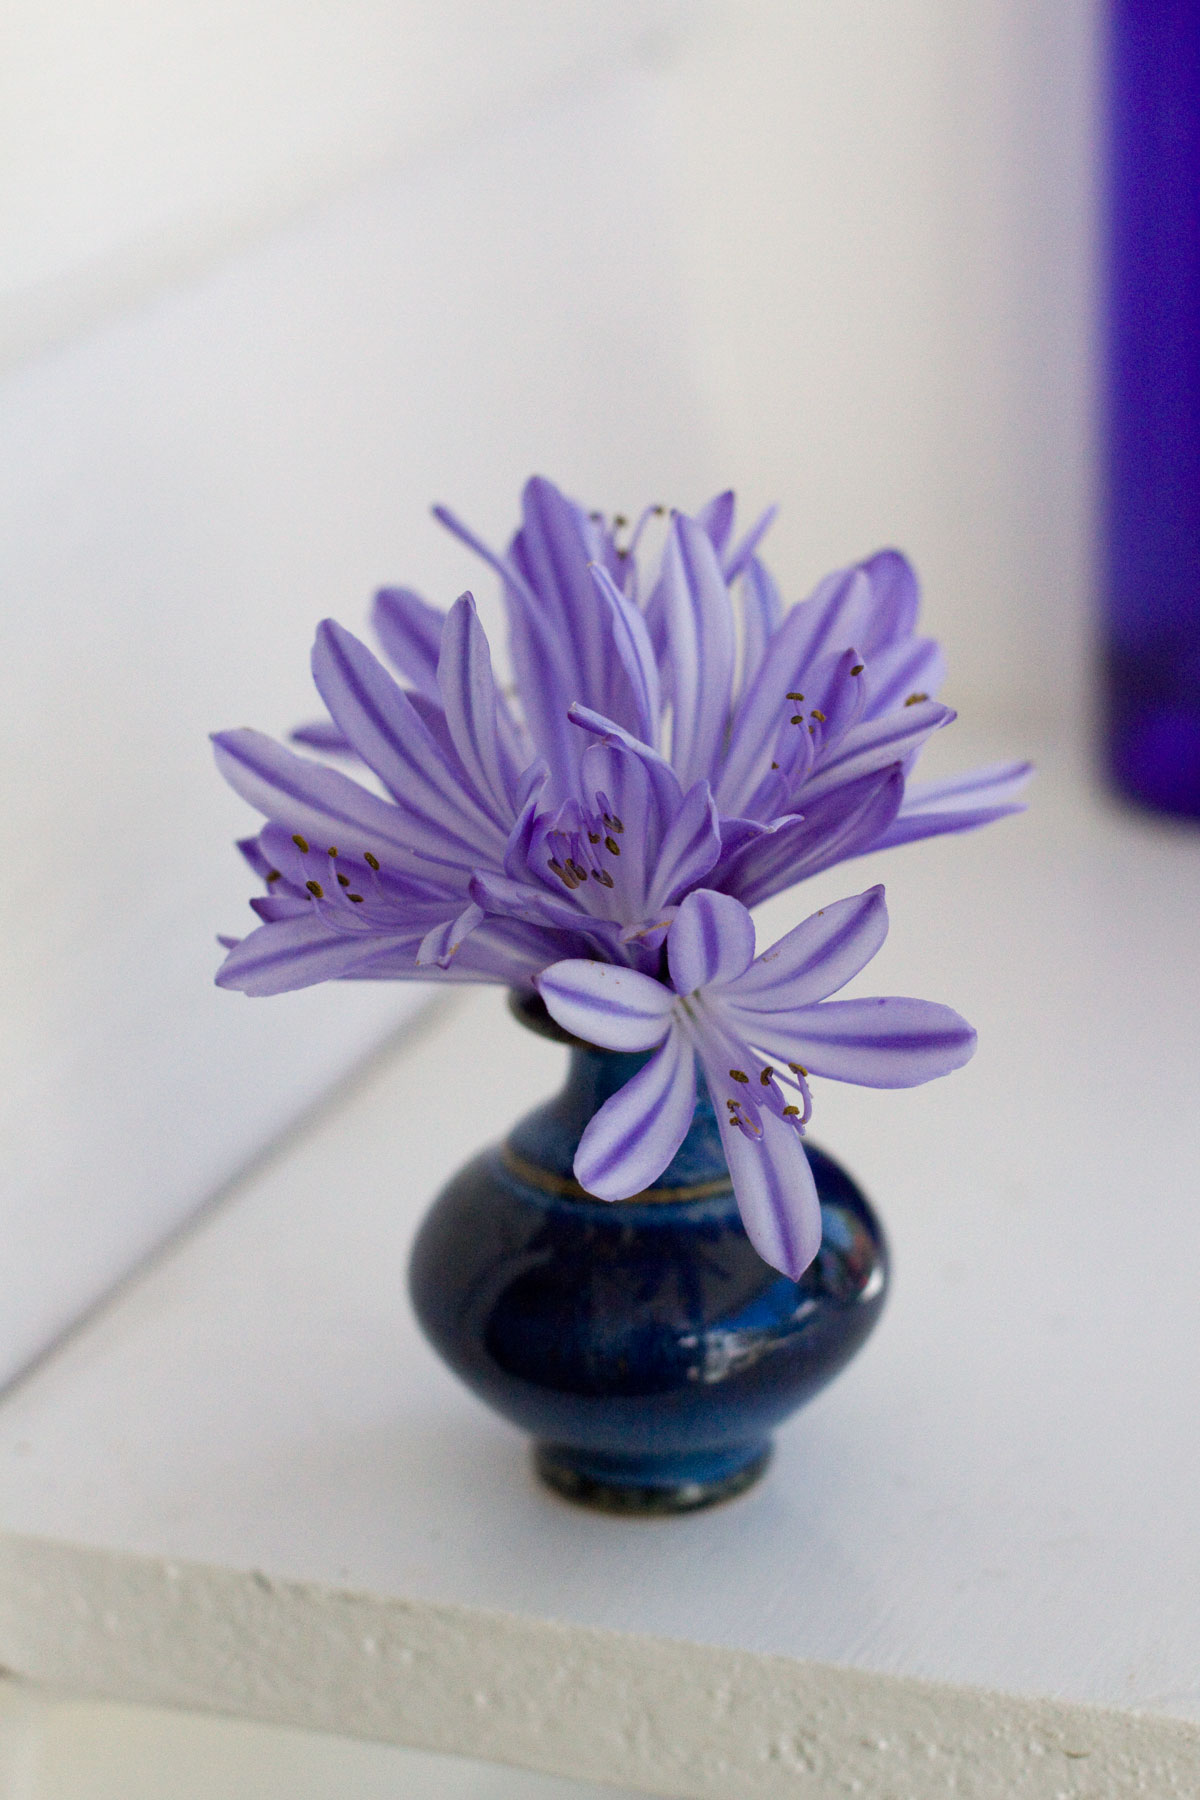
[644,1343]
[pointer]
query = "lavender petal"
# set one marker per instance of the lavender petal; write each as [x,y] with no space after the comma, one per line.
[631,641]
[636,1133]
[469,699]
[880,1042]
[874,743]
[847,821]
[607,1005]
[776,1194]
[380,721]
[816,958]
[689,849]
[699,625]
[410,630]
[711,940]
[295,953]
[318,803]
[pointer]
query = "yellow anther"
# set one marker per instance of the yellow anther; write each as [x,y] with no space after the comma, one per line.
[915,699]
[739,1075]
[372,862]
[857,669]
[300,843]
[314,887]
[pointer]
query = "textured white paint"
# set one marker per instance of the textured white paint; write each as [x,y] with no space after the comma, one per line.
[674,1719]
[73,1749]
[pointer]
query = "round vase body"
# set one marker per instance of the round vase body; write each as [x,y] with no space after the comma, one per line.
[644,1343]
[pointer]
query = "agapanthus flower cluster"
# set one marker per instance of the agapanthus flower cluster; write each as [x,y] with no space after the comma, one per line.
[680,747]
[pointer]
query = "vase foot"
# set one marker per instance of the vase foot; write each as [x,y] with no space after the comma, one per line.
[650,1485]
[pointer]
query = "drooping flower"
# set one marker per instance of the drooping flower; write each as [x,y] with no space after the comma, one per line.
[759,1027]
[674,729]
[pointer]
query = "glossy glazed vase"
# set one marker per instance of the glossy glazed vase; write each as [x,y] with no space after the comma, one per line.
[644,1343]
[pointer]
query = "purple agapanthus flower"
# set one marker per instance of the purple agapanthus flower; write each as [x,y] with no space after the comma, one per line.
[675,728]
[759,1027]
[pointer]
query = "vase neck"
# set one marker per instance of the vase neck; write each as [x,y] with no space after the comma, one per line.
[548,1138]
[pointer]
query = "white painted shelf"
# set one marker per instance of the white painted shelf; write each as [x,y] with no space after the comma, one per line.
[248,1485]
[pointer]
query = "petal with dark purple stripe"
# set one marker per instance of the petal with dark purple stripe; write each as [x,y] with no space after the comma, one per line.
[880,1042]
[818,957]
[607,1005]
[776,1194]
[636,1133]
[711,940]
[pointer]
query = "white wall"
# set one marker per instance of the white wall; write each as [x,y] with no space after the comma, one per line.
[885,217]
[139,139]
[279,276]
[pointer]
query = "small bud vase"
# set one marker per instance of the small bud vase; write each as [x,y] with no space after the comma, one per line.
[644,1343]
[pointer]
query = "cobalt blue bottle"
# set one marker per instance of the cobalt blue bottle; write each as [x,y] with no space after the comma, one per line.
[644,1343]
[1151,554]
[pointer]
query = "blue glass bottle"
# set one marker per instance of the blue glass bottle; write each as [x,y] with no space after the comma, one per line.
[644,1343]
[1151,553]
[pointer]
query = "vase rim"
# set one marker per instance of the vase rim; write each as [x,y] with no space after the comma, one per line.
[529,1009]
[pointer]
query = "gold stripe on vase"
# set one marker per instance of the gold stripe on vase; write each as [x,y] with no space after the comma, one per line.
[567,1188]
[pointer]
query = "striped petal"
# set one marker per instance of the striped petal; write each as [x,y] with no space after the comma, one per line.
[700,647]
[689,849]
[848,821]
[637,1132]
[410,631]
[631,642]
[896,673]
[711,940]
[298,952]
[469,700]
[959,804]
[319,803]
[742,555]
[817,958]
[607,1005]
[387,732]
[895,597]
[881,1043]
[874,743]
[776,1193]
